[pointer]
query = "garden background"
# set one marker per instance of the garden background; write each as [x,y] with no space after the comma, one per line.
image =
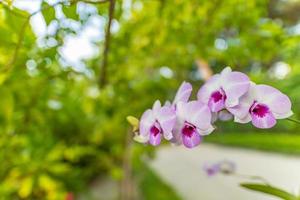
[72,71]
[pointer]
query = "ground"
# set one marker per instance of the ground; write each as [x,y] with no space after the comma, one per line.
[182,169]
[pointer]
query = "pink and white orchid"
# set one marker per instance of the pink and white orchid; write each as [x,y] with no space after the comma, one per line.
[224,95]
[262,105]
[155,123]
[193,121]
[224,90]
[193,118]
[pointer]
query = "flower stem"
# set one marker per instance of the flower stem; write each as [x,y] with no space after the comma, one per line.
[294,120]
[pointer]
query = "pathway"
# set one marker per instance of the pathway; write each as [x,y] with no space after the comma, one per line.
[183,169]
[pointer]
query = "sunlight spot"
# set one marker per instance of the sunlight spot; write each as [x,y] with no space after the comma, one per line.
[31,64]
[93,92]
[31,67]
[280,70]
[294,30]
[127,9]
[221,44]
[54,104]
[166,72]
[115,26]
[51,42]
[76,49]
[137,5]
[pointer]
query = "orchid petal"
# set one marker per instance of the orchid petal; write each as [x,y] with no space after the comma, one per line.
[242,109]
[167,103]
[226,71]
[244,120]
[196,113]
[235,85]
[146,122]
[176,139]
[279,104]
[156,106]
[224,115]
[211,170]
[199,115]
[212,85]
[166,117]
[267,121]
[206,131]
[183,93]
[155,139]
[192,140]
[180,118]
[214,117]
[181,112]
[283,116]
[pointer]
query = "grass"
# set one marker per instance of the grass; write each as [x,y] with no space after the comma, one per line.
[275,142]
[152,187]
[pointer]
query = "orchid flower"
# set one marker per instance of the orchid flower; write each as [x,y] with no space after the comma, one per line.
[157,122]
[211,170]
[225,167]
[193,120]
[262,105]
[223,96]
[224,90]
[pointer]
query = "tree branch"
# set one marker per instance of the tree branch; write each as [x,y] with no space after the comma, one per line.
[12,61]
[102,77]
[95,2]
[9,65]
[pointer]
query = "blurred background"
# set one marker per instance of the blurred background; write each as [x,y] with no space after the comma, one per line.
[72,70]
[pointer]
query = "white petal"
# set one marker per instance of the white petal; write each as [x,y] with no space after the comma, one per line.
[244,120]
[146,122]
[183,93]
[212,85]
[242,109]
[156,106]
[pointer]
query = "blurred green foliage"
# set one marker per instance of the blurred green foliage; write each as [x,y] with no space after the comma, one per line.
[153,188]
[58,129]
[266,141]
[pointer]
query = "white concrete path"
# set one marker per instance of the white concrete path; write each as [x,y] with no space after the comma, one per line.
[182,169]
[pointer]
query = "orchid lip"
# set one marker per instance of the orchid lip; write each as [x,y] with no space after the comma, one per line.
[155,134]
[259,109]
[262,116]
[190,135]
[217,100]
[155,130]
[188,129]
[218,95]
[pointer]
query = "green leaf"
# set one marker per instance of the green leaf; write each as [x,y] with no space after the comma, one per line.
[48,12]
[267,189]
[15,18]
[71,12]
